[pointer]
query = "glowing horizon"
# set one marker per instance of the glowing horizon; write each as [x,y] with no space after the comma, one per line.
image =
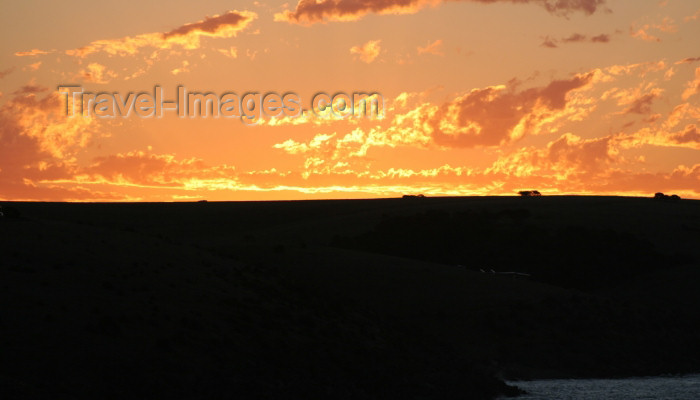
[481,97]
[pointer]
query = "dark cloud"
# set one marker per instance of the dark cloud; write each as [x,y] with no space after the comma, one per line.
[563,7]
[602,38]
[6,72]
[583,155]
[575,38]
[487,117]
[642,105]
[312,11]
[188,36]
[549,42]
[210,24]
[688,60]
[689,135]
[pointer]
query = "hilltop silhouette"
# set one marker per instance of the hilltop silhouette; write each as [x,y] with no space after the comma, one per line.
[437,298]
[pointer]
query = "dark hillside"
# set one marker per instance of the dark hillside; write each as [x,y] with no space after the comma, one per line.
[348,299]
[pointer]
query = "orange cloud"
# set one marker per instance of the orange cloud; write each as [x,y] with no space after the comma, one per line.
[688,60]
[44,121]
[368,52]
[385,157]
[434,48]
[568,164]
[689,135]
[571,164]
[498,115]
[576,38]
[39,142]
[687,138]
[642,105]
[640,69]
[6,72]
[145,169]
[308,12]
[481,117]
[131,176]
[683,180]
[693,87]
[31,53]
[187,36]
[562,158]
[667,25]
[184,67]
[96,73]
[642,34]
[327,152]
[231,52]
[35,66]
[692,17]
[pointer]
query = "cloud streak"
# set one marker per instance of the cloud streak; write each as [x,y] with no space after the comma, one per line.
[434,48]
[31,53]
[6,72]
[187,36]
[309,12]
[575,38]
[368,52]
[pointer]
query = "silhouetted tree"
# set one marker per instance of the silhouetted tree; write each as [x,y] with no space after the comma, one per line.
[661,196]
[529,193]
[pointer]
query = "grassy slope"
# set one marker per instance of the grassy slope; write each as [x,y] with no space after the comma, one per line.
[214,298]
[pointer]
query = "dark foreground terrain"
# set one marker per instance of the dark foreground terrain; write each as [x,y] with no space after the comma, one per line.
[343,299]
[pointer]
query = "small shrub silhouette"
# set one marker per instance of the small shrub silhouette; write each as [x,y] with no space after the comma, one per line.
[661,196]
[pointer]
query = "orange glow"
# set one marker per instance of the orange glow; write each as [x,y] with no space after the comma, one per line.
[480,98]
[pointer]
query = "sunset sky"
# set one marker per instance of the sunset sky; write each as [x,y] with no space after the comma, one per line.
[482,97]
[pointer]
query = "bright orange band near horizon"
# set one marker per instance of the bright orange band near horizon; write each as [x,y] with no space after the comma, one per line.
[479,97]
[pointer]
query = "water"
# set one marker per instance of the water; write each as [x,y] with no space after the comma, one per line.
[685,387]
